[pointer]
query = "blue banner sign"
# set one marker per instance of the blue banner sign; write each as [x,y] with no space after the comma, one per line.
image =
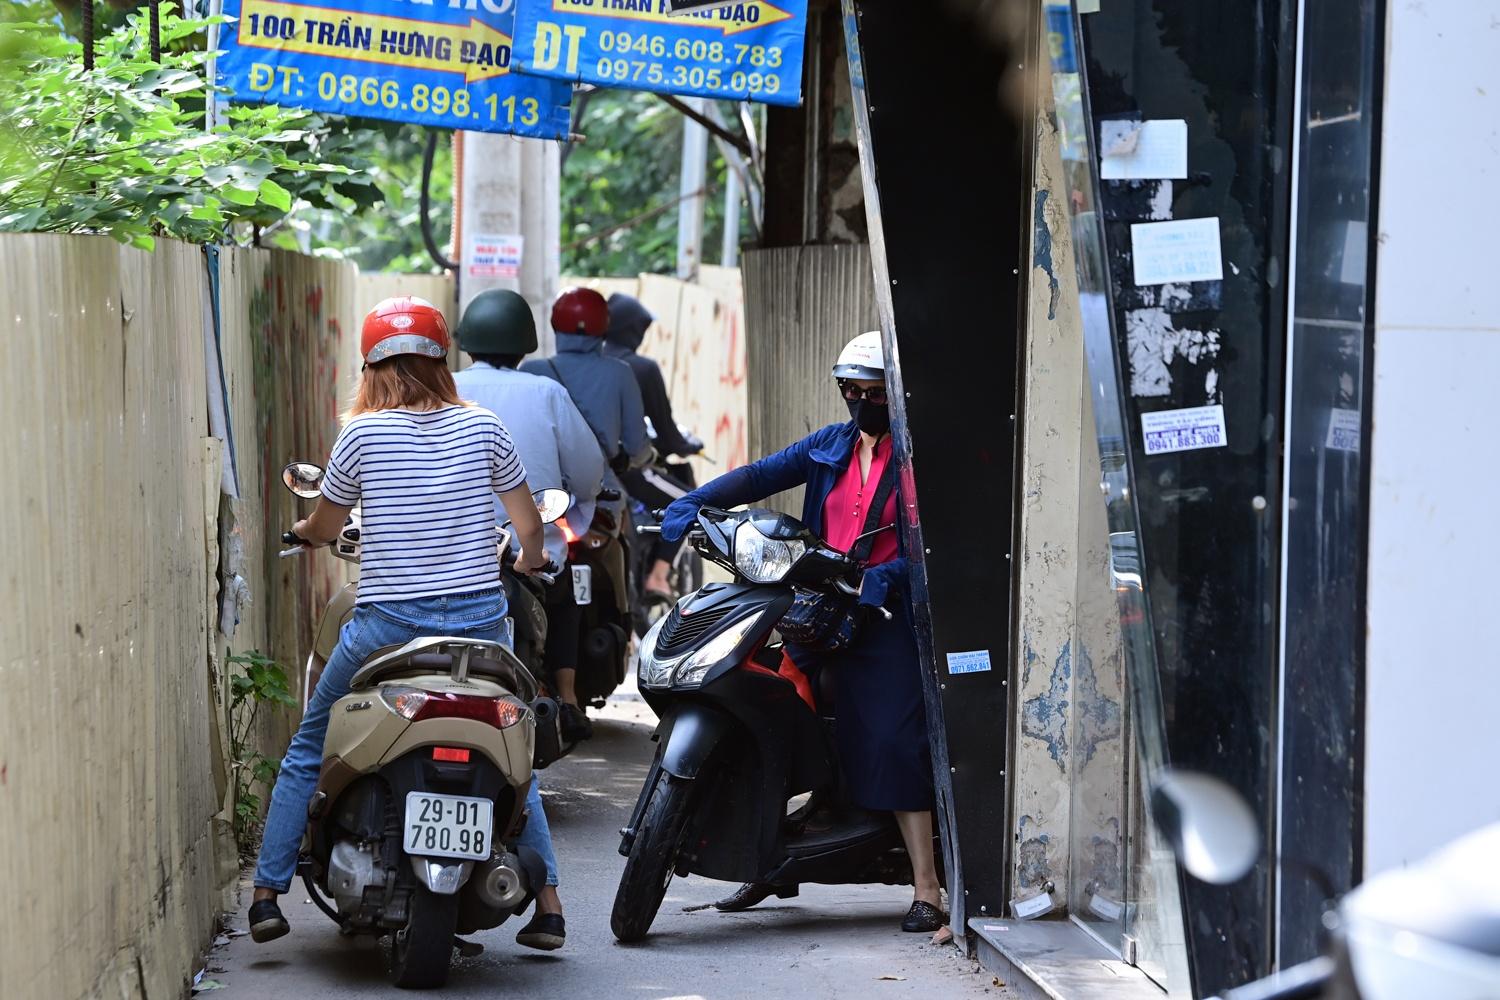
[738,51]
[431,63]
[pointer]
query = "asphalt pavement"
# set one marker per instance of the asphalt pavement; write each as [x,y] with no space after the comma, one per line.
[832,941]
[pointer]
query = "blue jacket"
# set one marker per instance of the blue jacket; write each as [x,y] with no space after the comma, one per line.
[818,461]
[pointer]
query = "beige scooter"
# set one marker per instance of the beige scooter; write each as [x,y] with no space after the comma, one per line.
[426,766]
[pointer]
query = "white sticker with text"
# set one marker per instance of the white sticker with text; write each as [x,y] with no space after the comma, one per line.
[1184,430]
[1343,429]
[1182,250]
[975,662]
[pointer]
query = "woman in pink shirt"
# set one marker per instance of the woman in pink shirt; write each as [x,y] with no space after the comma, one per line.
[882,728]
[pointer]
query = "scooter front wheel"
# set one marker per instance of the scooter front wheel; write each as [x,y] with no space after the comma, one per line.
[653,857]
[421,951]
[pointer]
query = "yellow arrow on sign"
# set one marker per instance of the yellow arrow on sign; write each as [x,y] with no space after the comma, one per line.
[475,49]
[731,19]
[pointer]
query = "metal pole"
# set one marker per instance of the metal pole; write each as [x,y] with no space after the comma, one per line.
[211,68]
[88,34]
[729,253]
[691,187]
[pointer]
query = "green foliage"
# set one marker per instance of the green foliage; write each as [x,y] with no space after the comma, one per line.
[628,166]
[259,681]
[121,150]
[377,225]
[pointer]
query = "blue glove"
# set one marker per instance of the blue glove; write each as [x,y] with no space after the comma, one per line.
[678,518]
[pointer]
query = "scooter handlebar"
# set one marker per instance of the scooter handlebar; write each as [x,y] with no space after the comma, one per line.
[853,591]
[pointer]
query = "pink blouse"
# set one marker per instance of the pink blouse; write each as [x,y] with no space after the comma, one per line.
[845,509]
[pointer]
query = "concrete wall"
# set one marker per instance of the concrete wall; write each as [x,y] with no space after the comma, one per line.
[1432,686]
[133,568]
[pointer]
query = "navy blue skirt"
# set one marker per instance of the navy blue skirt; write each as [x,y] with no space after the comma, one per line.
[882,724]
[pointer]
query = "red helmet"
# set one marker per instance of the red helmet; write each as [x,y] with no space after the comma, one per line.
[580,310]
[403,325]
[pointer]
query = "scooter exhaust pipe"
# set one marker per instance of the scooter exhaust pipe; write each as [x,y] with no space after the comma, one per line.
[502,882]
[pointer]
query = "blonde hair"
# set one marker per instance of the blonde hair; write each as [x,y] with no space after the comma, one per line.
[406,382]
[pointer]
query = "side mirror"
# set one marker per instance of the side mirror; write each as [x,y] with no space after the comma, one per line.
[1210,828]
[303,479]
[552,504]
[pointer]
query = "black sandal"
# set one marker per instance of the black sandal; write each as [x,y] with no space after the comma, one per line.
[923,918]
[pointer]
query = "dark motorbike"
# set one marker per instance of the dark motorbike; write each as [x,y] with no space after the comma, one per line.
[601,586]
[673,477]
[740,747]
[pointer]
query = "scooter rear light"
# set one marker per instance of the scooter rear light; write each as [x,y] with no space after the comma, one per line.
[404,701]
[454,755]
[502,713]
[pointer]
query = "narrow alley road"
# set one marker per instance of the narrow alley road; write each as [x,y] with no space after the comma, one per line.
[830,942]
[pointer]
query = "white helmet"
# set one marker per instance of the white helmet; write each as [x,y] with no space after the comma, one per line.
[863,357]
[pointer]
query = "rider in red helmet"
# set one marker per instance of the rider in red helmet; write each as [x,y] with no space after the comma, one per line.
[605,391]
[421,464]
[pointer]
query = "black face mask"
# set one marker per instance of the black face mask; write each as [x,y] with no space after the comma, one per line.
[873,420]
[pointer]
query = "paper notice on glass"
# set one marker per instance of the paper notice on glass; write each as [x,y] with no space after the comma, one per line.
[495,256]
[1167,431]
[1143,151]
[1184,250]
[1343,429]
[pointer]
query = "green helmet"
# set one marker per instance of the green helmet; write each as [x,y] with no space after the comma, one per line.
[497,322]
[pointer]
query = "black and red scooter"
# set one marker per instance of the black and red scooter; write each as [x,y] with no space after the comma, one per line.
[745,785]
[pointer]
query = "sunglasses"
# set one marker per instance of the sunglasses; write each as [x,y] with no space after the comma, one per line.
[875,394]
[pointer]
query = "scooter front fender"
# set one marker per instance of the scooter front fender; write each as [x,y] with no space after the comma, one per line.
[696,730]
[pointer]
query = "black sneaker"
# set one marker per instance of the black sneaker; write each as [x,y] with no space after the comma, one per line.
[266,921]
[575,724]
[546,932]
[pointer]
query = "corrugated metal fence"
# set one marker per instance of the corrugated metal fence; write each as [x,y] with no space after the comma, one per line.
[802,305]
[113,746]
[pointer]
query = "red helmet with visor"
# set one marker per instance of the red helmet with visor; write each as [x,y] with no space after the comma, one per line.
[403,325]
[580,310]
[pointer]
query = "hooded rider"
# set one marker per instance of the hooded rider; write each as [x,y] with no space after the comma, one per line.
[628,322]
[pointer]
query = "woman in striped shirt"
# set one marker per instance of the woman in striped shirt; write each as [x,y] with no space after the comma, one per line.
[422,465]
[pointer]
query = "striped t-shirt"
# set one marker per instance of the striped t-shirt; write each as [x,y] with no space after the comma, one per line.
[424,482]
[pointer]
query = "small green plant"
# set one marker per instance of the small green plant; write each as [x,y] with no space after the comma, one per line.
[259,681]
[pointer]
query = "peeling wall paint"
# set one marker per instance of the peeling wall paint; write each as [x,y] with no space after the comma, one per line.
[1156,344]
[1049,534]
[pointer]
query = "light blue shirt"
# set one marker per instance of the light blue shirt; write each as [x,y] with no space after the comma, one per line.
[554,441]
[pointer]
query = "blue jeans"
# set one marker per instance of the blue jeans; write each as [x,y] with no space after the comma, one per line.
[382,623]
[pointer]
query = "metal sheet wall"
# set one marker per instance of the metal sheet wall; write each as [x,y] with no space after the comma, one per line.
[802,304]
[129,578]
[105,791]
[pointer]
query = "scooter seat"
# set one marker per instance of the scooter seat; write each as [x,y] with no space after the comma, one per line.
[460,658]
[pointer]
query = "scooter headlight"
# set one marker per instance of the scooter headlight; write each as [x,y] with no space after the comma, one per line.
[653,671]
[693,669]
[764,560]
